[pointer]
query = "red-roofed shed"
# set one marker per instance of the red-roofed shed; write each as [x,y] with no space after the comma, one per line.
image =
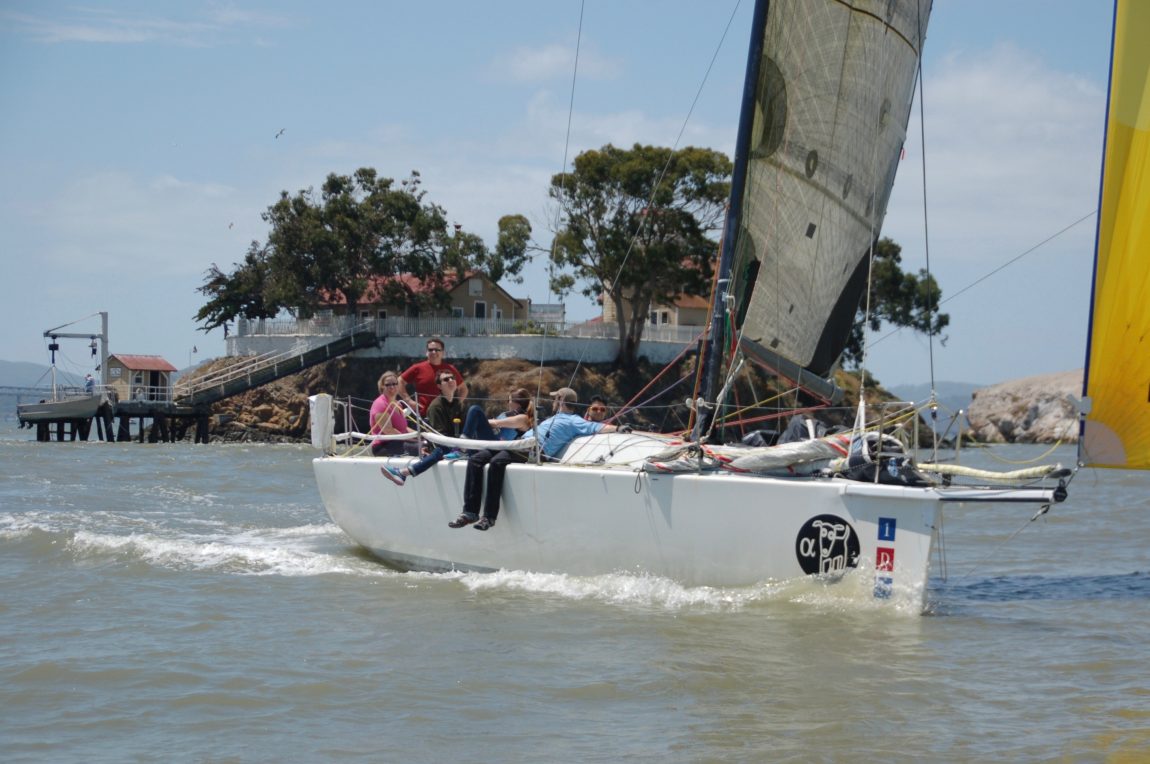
[140,377]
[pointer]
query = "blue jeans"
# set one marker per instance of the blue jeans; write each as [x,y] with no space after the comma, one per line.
[475,427]
[425,463]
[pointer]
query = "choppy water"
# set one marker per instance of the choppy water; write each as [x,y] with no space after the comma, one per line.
[193,603]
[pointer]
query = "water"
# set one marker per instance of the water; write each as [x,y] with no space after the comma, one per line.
[174,602]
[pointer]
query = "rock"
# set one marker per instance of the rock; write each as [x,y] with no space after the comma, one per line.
[1039,409]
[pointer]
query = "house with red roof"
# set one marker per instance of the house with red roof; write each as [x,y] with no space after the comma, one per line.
[140,377]
[684,310]
[473,296]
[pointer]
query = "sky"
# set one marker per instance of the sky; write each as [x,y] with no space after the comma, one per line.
[141,141]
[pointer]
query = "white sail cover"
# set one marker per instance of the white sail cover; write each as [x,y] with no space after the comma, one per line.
[834,91]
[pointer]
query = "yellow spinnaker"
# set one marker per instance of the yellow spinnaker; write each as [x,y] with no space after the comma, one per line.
[1117,432]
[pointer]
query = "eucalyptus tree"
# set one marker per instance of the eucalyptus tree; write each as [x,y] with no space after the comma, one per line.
[636,229]
[907,300]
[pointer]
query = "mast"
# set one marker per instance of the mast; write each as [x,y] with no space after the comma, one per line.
[713,350]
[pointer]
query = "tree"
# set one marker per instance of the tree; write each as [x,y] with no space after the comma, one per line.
[902,299]
[467,252]
[635,229]
[360,227]
[511,250]
[241,294]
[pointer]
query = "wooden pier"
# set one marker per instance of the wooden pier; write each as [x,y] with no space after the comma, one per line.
[174,410]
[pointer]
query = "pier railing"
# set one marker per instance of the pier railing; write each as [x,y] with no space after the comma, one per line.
[326,326]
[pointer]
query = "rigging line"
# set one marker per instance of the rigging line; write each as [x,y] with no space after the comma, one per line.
[991,552]
[559,208]
[875,229]
[666,367]
[698,384]
[1005,265]
[679,137]
[926,221]
[647,405]
[759,403]
[1069,437]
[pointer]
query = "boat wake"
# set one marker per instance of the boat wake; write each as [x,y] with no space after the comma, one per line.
[853,592]
[208,545]
[316,549]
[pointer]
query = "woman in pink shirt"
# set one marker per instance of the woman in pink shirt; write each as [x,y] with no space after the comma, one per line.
[387,416]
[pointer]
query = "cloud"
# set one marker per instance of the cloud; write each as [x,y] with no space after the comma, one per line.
[92,25]
[115,226]
[555,61]
[1012,154]
[1013,151]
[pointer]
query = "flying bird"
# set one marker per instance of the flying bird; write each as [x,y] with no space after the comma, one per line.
[281,132]
[230,225]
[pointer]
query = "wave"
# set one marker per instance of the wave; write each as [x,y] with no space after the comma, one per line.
[1115,586]
[264,551]
[853,593]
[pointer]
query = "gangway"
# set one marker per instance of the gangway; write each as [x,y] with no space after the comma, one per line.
[261,369]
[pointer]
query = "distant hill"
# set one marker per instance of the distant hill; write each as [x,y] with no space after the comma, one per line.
[952,397]
[24,374]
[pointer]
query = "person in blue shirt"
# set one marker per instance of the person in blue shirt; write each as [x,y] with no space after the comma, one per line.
[554,433]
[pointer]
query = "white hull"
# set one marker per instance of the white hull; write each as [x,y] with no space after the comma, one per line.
[68,408]
[714,529]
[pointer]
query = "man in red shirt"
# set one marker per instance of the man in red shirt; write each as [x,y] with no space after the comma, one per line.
[423,375]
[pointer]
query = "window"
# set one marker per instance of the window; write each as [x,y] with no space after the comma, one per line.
[381,314]
[480,309]
[475,288]
[497,311]
[456,312]
[114,372]
[365,314]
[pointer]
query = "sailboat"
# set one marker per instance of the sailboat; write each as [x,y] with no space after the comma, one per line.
[70,402]
[826,102]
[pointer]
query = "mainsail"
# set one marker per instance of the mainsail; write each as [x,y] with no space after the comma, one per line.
[1116,431]
[832,95]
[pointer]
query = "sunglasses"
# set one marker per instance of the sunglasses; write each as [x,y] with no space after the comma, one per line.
[391,384]
[435,350]
[445,380]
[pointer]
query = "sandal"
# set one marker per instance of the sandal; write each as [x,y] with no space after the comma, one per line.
[484,524]
[462,520]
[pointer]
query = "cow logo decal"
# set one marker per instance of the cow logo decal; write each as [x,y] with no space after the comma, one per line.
[827,545]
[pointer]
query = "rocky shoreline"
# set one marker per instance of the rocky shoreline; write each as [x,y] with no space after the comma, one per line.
[1039,409]
[278,411]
